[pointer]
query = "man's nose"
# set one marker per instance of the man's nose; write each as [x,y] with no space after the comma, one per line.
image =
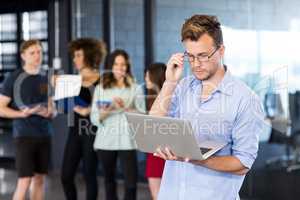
[197,64]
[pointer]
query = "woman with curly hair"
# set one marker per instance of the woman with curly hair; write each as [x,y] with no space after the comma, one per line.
[87,55]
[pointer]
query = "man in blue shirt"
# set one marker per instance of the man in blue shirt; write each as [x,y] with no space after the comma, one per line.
[219,107]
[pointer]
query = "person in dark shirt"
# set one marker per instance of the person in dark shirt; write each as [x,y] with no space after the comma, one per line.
[25,98]
[87,55]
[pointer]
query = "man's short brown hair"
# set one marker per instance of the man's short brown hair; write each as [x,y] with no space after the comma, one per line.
[28,43]
[198,25]
[94,50]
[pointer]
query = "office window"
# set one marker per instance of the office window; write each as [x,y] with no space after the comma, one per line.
[8,27]
[8,52]
[8,36]
[32,25]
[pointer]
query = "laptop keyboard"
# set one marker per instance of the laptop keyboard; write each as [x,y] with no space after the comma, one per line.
[204,150]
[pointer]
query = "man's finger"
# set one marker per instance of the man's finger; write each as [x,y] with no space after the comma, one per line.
[161,154]
[158,155]
[170,154]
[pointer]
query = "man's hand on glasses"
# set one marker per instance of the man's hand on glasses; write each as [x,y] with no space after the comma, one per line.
[175,68]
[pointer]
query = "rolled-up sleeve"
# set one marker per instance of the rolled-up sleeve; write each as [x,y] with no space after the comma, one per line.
[95,115]
[247,127]
[173,110]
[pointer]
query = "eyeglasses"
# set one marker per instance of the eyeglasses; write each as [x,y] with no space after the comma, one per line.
[201,58]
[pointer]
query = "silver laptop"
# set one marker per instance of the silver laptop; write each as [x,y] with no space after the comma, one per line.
[151,132]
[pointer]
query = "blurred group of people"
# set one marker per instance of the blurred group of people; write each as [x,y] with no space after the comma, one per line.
[104,136]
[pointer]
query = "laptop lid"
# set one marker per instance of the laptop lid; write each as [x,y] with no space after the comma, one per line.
[151,132]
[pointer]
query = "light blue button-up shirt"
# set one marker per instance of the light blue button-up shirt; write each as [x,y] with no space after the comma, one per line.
[233,113]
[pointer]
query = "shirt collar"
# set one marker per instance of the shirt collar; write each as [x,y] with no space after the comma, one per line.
[225,86]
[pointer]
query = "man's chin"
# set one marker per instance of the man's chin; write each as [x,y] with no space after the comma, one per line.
[202,77]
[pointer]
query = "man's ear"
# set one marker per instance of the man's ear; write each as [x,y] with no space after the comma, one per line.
[23,56]
[222,50]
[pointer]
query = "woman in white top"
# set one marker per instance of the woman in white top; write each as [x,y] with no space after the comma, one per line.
[117,93]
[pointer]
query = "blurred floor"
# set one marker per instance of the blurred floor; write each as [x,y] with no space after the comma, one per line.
[54,188]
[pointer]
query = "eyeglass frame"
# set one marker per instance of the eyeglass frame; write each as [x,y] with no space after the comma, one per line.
[197,57]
